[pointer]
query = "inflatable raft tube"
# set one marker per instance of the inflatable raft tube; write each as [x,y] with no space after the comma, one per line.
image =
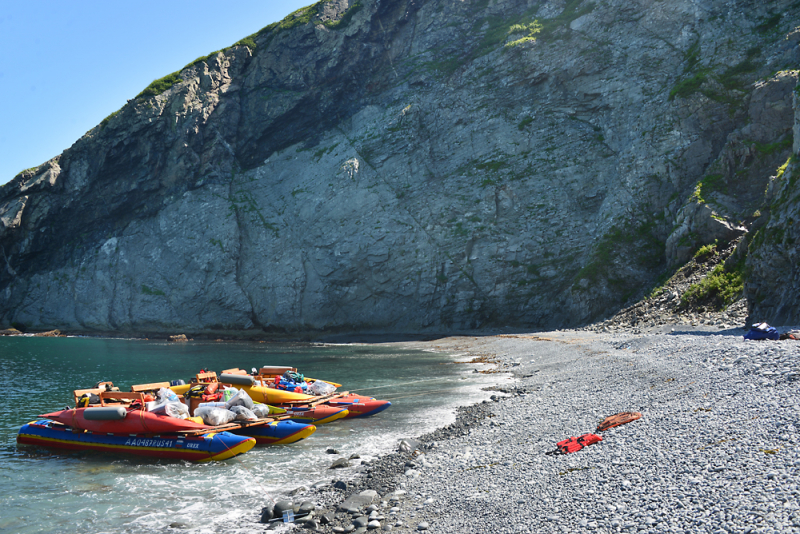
[134,422]
[318,415]
[215,446]
[278,432]
[236,380]
[276,396]
[359,406]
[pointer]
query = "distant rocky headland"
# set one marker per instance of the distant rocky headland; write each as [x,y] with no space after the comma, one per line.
[427,166]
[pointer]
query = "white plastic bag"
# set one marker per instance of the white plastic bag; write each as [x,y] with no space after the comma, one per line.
[243,414]
[167,395]
[212,405]
[261,410]
[318,387]
[241,398]
[175,409]
[215,416]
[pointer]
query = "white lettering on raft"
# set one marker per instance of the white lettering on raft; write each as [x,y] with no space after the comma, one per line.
[144,442]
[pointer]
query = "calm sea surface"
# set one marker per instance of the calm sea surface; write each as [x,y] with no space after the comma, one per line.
[42,491]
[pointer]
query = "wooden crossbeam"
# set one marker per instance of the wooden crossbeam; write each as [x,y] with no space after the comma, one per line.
[319,400]
[275,370]
[155,386]
[120,395]
[234,371]
[236,425]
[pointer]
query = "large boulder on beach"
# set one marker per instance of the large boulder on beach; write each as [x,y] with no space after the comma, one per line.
[407,445]
[359,501]
[282,506]
[340,464]
[305,507]
[267,513]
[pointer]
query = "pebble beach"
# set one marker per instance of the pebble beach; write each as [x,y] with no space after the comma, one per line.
[716,448]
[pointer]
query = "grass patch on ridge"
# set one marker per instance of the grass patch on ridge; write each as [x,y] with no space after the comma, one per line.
[157,87]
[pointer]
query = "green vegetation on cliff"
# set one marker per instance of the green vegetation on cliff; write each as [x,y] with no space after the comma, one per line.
[522,29]
[159,86]
[634,243]
[722,287]
[300,17]
[709,184]
[308,14]
[722,86]
[152,292]
[528,32]
[105,121]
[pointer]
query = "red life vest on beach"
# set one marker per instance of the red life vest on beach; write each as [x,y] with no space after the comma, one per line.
[574,444]
[617,419]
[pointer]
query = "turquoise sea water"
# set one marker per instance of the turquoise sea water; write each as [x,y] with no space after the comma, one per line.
[45,491]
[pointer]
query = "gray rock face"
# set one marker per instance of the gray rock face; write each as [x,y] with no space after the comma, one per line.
[410,165]
[733,185]
[773,285]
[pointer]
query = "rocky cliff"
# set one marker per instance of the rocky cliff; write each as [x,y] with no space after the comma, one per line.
[419,165]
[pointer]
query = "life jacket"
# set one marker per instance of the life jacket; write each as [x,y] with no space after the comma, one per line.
[291,376]
[87,399]
[574,444]
[195,392]
[617,419]
[287,385]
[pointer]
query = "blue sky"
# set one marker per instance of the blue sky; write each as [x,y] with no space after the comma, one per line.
[68,64]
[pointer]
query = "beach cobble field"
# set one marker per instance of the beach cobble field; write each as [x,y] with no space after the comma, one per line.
[716,448]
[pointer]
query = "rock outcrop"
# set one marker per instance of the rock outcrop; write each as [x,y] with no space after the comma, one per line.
[414,165]
[773,284]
